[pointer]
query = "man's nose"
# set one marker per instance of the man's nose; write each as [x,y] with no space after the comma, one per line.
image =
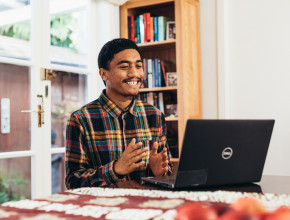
[133,71]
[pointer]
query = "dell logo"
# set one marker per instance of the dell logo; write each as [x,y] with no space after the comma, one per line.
[227,153]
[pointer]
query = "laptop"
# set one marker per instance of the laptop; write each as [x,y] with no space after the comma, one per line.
[220,152]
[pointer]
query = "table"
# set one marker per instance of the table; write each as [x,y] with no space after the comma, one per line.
[127,201]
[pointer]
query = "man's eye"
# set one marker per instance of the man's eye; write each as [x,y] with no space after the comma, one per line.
[123,67]
[139,66]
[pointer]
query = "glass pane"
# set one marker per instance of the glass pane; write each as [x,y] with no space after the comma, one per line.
[15,16]
[69,33]
[15,177]
[57,173]
[68,93]
[15,96]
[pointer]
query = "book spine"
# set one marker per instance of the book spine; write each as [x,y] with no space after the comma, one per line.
[138,29]
[135,29]
[153,73]
[149,71]
[156,72]
[151,29]
[145,79]
[145,26]
[163,72]
[129,27]
[159,73]
[161,28]
[155,101]
[161,102]
[150,98]
[141,28]
[155,20]
[148,29]
[132,28]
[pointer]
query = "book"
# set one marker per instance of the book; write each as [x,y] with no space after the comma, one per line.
[148,28]
[132,33]
[163,72]
[138,29]
[145,78]
[161,102]
[155,26]
[162,28]
[156,77]
[141,23]
[159,73]
[150,98]
[151,29]
[155,100]
[145,26]
[149,73]
[129,27]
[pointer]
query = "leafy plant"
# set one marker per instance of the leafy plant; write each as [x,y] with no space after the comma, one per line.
[62,31]
[12,189]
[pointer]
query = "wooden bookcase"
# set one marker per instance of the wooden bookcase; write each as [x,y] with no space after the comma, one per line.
[183,52]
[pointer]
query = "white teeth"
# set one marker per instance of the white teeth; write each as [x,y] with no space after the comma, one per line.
[132,83]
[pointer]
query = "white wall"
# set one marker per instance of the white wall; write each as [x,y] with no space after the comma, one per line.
[108,28]
[256,67]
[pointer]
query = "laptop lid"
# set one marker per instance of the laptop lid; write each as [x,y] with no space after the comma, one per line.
[219,152]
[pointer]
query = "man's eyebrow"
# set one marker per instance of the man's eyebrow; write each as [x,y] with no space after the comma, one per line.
[126,61]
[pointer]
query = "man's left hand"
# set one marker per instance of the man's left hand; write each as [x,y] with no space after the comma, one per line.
[158,161]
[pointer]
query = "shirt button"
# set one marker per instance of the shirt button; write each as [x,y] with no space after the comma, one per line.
[125,131]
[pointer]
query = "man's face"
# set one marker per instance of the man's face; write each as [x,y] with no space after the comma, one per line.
[125,74]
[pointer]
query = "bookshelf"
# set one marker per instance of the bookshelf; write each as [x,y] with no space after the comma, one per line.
[183,53]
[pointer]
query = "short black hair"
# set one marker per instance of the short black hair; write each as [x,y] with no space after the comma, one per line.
[113,47]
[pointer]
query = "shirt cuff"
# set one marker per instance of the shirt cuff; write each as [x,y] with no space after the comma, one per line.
[109,174]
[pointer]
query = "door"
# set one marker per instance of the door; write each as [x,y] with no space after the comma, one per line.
[34,108]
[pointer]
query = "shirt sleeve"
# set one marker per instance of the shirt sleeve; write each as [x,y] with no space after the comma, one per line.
[79,171]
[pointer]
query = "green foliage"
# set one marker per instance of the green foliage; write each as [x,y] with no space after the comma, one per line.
[18,30]
[12,189]
[62,31]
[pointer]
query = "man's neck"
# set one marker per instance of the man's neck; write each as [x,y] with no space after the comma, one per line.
[121,101]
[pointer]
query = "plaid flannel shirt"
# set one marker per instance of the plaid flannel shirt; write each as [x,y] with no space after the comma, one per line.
[100,131]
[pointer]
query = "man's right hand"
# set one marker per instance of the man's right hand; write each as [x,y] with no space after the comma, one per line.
[129,161]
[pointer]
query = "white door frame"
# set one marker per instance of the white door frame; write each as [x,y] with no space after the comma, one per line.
[41,151]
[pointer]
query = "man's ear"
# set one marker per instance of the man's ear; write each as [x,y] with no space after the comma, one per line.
[103,74]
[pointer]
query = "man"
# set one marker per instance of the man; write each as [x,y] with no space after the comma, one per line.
[116,137]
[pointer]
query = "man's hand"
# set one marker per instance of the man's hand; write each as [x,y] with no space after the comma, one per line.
[129,161]
[158,161]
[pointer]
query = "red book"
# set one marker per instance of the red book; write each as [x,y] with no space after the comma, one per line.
[145,26]
[148,27]
[152,29]
[163,71]
[132,34]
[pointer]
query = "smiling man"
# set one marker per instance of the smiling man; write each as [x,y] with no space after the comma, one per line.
[116,137]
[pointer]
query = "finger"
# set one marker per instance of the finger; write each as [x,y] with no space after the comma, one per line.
[164,157]
[138,158]
[165,163]
[140,151]
[154,149]
[131,145]
[165,170]
[135,166]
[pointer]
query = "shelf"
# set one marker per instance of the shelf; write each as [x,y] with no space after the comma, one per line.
[156,43]
[170,118]
[157,89]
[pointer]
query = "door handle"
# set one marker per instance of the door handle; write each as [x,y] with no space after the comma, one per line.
[39,111]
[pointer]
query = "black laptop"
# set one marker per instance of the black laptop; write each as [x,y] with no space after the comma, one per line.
[220,152]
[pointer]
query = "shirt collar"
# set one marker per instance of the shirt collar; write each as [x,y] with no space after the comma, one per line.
[115,110]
